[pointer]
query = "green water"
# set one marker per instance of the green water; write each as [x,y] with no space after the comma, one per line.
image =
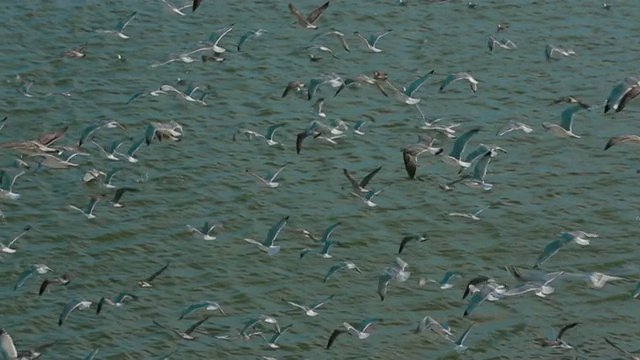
[542,186]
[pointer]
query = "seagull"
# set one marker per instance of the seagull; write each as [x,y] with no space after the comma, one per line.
[7,248]
[622,139]
[115,202]
[476,155]
[171,131]
[133,149]
[204,233]
[362,79]
[216,37]
[397,271]
[88,212]
[489,291]
[294,85]
[619,92]
[63,280]
[596,279]
[250,35]
[76,52]
[309,21]
[333,80]
[177,10]
[91,129]
[318,108]
[311,309]
[580,237]
[8,177]
[118,301]
[455,156]
[73,304]
[627,353]
[372,41]
[504,44]
[441,329]
[269,180]
[550,50]
[558,342]
[411,152]
[360,187]
[479,173]
[359,124]
[187,333]
[406,95]
[473,283]
[26,274]
[324,252]
[627,97]
[569,100]
[49,138]
[459,344]
[205,305]
[303,232]
[444,283]
[406,239]
[119,27]
[472,216]
[552,248]
[146,283]
[564,129]
[311,130]
[345,265]
[368,197]
[268,244]
[324,49]
[338,35]
[109,177]
[272,342]
[473,83]
[110,151]
[364,326]
[514,126]
[9,352]
[271,130]
[250,324]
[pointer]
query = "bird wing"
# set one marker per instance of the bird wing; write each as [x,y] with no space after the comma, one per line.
[373,40]
[196,3]
[475,281]
[622,139]
[274,231]
[551,249]
[301,20]
[22,278]
[480,170]
[630,355]
[365,324]
[370,176]
[464,335]
[68,309]
[334,269]
[273,177]
[6,345]
[321,302]
[120,192]
[315,14]
[416,84]
[334,336]
[155,275]
[564,329]
[194,326]
[410,163]
[352,180]
[383,283]
[627,97]
[329,231]
[461,142]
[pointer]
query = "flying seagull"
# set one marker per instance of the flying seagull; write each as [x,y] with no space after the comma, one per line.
[311,309]
[455,155]
[622,139]
[345,265]
[187,333]
[406,239]
[146,283]
[205,232]
[88,212]
[117,301]
[269,180]
[627,353]
[473,83]
[26,274]
[72,305]
[63,280]
[565,128]
[309,21]
[411,152]
[205,305]
[558,342]
[268,244]
[115,202]
[7,248]
[550,51]
[360,187]
[619,92]
[372,41]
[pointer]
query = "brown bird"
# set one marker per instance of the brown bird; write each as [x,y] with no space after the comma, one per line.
[571,100]
[631,139]
[334,336]
[50,138]
[309,21]
[628,96]
[294,85]
[63,280]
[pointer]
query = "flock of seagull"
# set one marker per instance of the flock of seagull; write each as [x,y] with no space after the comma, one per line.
[447,142]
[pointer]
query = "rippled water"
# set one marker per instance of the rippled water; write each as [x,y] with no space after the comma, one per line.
[542,186]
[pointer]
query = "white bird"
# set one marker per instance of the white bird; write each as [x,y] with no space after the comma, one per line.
[272,342]
[205,232]
[187,333]
[8,177]
[455,155]
[268,244]
[7,248]
[311,309]
[372,41]
[88,212]
[177,10]
[550,51]
[249,35]
[205,305]
[360,187]
[504,44]
[407,94]
[30,271]
[514,126]
[471,215]
[129,154]
[74,304]
[338,35]
[459,344]
[368,197]
[364,327]
[473,83]
[318,108]
[345,265]
[268,137]
[580,237]
[441,329]
[565,128]
[119,27]
[269,180]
